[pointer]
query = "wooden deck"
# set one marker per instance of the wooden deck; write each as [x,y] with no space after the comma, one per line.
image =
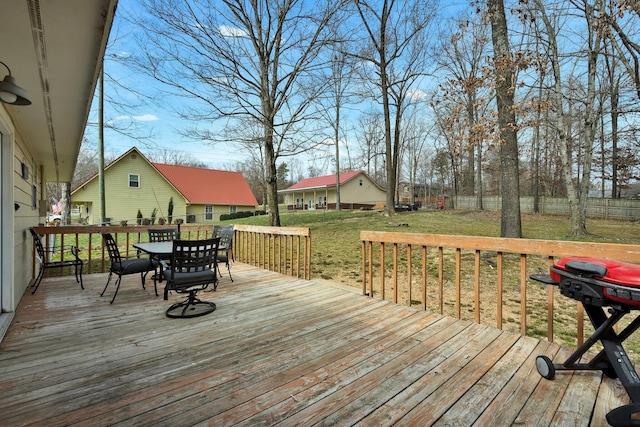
[278,350]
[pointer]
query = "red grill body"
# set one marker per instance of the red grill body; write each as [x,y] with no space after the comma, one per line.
[620,277]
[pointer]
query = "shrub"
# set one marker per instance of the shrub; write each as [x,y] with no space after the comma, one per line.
[243,214]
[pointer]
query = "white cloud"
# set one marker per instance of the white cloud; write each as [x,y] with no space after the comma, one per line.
[417,95]
[146,118]
[227,31]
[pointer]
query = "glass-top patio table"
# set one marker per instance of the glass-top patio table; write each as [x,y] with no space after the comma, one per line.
[162,250]
[156,249]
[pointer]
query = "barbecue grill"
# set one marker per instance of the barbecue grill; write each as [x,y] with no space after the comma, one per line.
[598,284]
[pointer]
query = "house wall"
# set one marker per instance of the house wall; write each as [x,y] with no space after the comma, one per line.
[19,210]
[198,212]
[123,202]
[368,192]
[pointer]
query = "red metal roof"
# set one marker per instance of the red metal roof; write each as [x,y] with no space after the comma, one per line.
[324,181]
[208,186]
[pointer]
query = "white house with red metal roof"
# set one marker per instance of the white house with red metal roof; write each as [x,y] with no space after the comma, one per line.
[357,191]
[134,183]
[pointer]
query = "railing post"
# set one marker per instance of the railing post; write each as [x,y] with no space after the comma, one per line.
[523,294]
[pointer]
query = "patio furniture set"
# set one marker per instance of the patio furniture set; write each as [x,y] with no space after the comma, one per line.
[186,266]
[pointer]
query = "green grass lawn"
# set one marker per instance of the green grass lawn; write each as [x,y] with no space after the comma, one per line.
[336,251]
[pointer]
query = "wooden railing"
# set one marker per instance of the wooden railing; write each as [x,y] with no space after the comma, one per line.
[270,251]
[469,277]
[286,250]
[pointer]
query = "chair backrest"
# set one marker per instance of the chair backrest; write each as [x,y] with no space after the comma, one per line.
[216,230]
[112,248]
[191,256]
[163,234]
[38,242]
[226,236]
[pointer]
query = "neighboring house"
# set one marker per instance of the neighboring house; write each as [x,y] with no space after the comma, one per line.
[134,183]
[54,52]
[357,191]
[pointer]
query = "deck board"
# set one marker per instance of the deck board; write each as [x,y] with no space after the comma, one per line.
[277,351]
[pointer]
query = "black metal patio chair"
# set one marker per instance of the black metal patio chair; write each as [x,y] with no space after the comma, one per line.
[75,262]
[161,235]
[122,266]
[193,268]
[226,242]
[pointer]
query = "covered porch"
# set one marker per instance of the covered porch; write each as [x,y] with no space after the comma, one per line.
[278,350]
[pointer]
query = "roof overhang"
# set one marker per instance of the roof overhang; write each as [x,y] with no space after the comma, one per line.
[54,49]
[296,190]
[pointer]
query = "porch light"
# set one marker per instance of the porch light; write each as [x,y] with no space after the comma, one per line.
[10,92]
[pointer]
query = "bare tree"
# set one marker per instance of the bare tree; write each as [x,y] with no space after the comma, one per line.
[371,145]
[243,61]
[510,225]
[453,150]
[172,157]
[629,51]
[396,46]
[577,188]
[462,60]
[333,101]
[417,132]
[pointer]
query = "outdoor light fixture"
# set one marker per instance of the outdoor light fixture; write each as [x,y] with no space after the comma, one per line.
[10,92]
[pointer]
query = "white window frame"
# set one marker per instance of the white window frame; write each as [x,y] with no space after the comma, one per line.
[233,209]
[138,180]
[208,212]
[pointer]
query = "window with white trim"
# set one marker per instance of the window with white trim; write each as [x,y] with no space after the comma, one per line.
[134,180]
[208,213]
[233,209]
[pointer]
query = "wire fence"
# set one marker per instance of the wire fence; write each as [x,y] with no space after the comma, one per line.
[616,209]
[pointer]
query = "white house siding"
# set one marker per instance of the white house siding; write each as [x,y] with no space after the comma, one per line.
[16,253]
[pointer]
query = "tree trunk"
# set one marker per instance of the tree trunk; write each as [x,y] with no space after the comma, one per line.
[389,208]
[478,181]
[65,202]
[272,182]
[510,222]
[337,141]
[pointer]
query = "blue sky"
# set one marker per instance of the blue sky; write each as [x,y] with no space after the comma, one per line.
[155,118]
